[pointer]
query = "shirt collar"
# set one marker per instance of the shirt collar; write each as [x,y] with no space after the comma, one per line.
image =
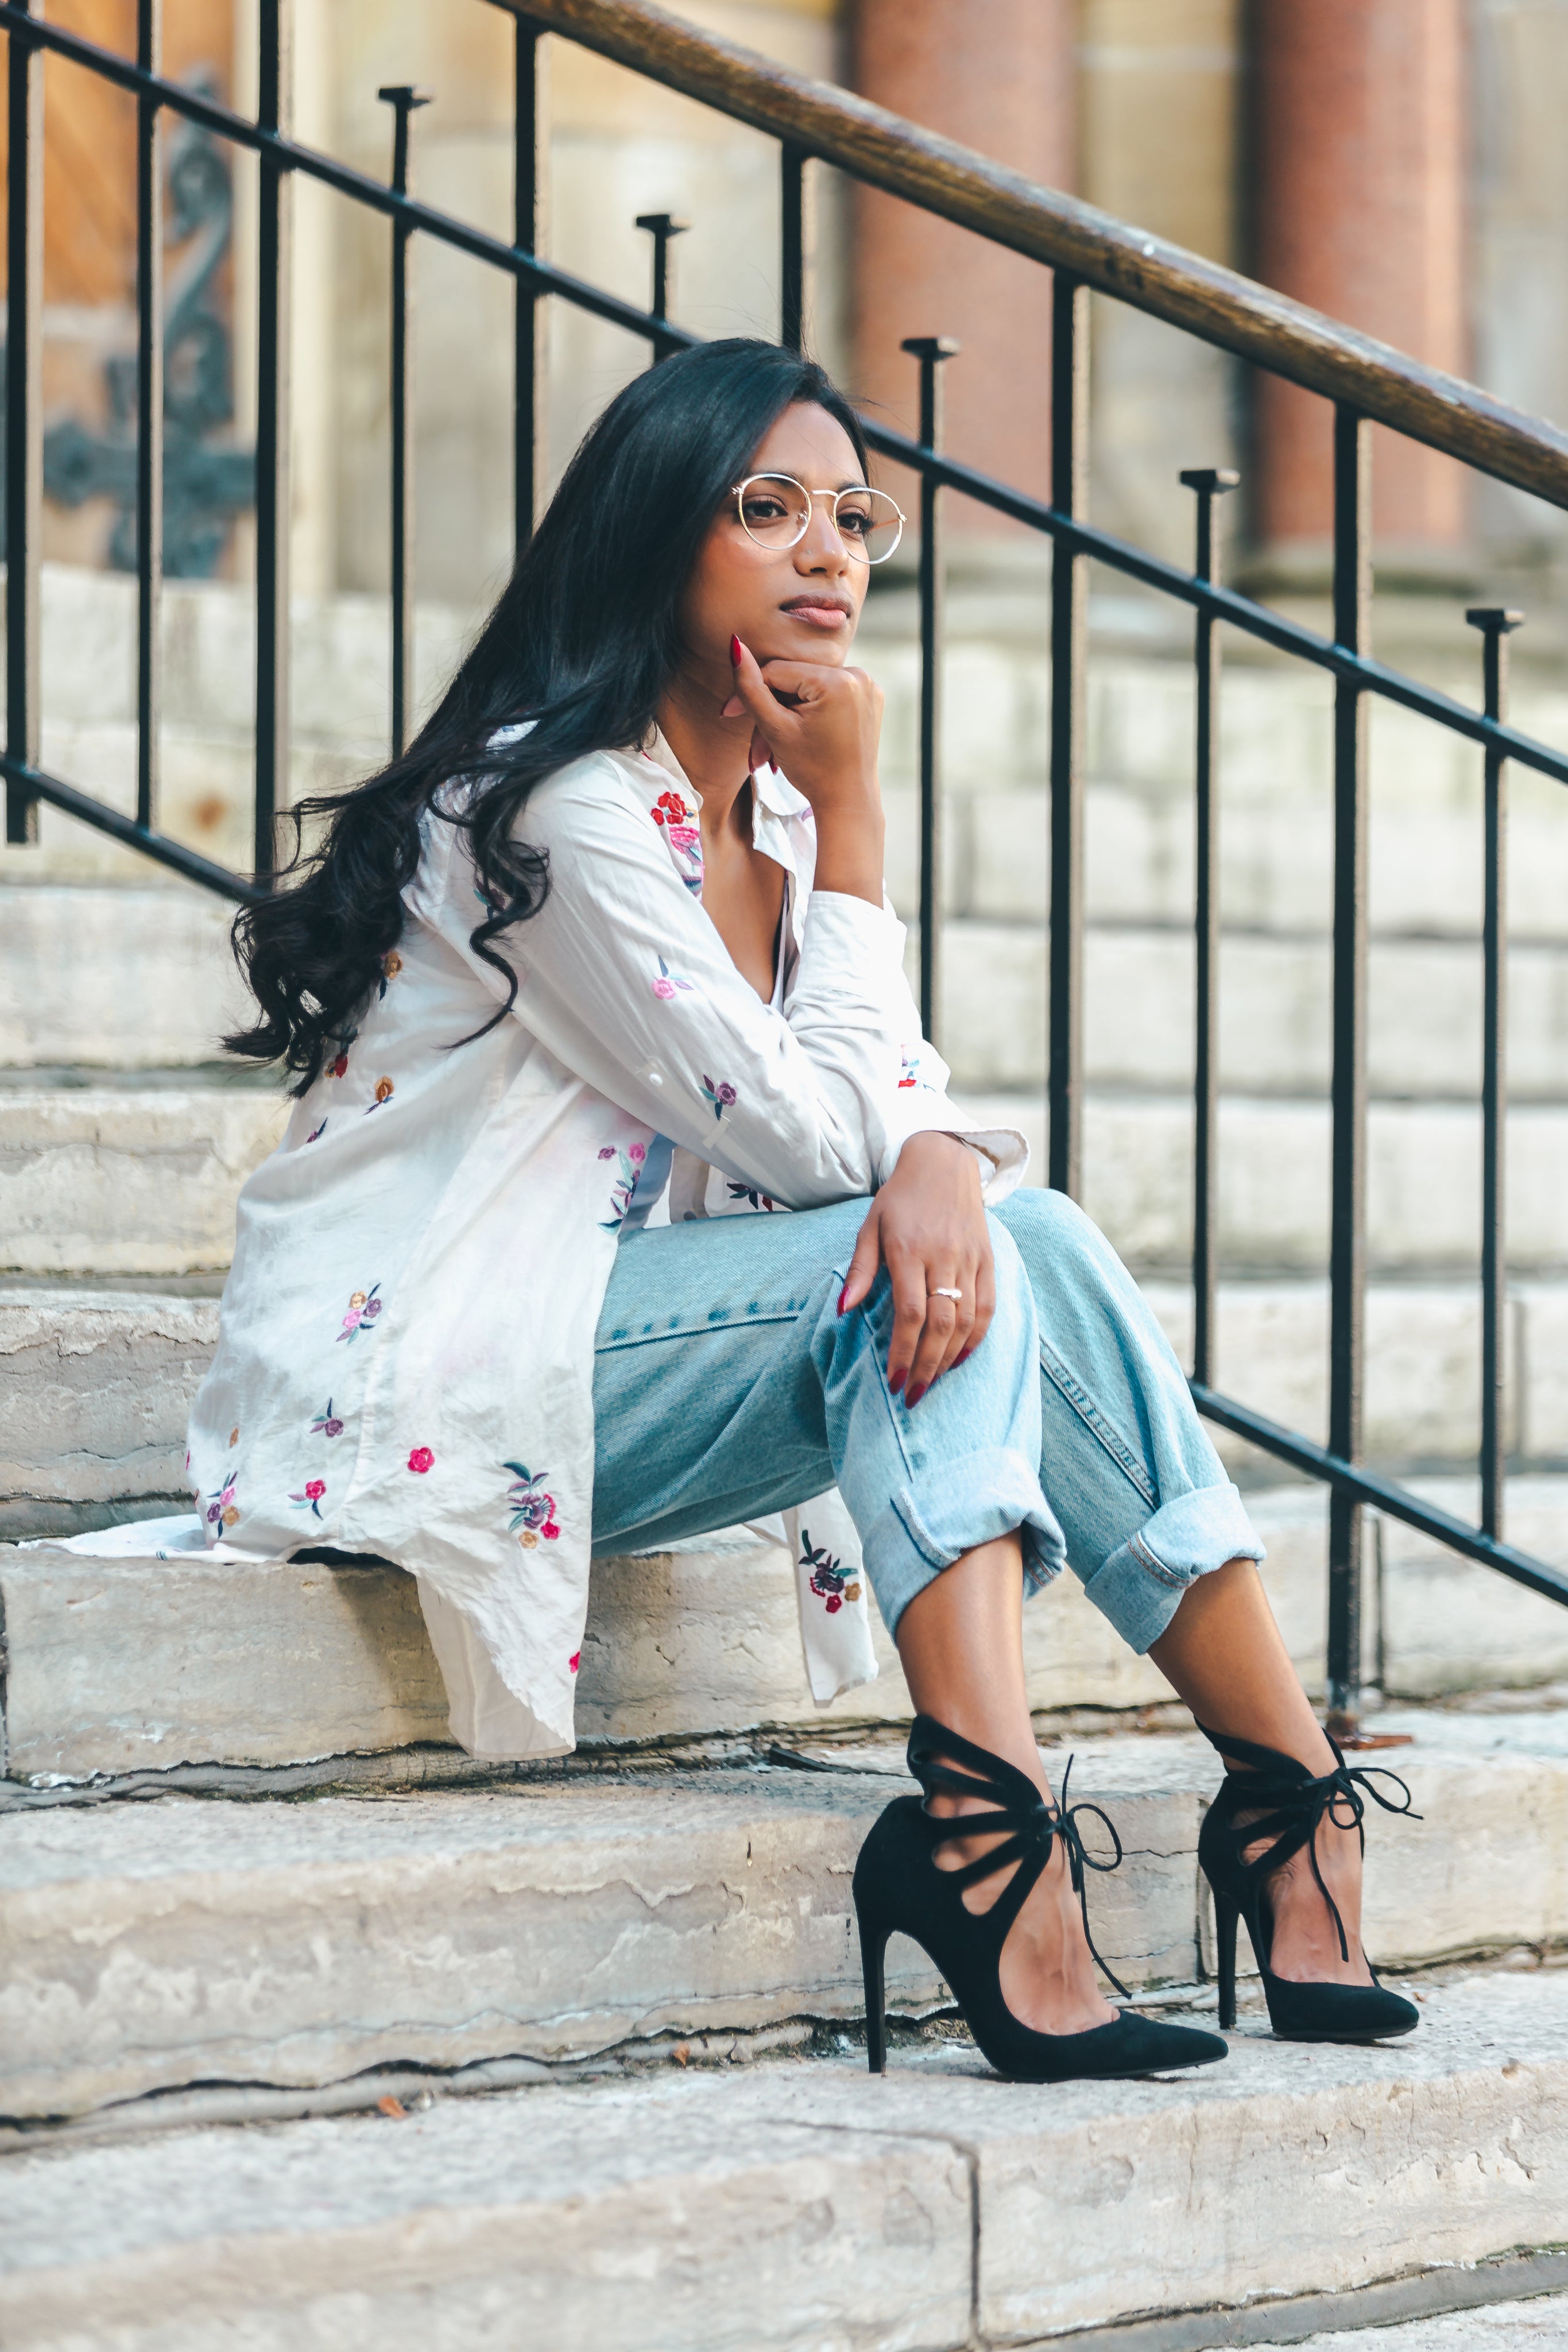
[772,789]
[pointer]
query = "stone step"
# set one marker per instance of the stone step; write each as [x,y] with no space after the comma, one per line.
[1275,1006]
[553,1920]
[808,2204]
[121,1664]
[137,1173]
[150,983]
[96,1381]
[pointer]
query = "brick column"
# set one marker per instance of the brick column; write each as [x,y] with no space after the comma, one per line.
[999,75]
[1359,141]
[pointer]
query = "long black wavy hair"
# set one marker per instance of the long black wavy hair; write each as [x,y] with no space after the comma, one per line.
[584,641]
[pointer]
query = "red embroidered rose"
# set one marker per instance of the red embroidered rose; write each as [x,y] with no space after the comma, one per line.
[573,1663]
[669,809]
[421,1460]
[315,1488]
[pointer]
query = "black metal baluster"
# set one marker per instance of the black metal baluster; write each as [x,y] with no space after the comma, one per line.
[274,259]
[1347,1247]
[404,96]
[930,351]
[1069,616]
[526,382]
[1496,623]
[663,228]
[148,413]
[24,437]
[792,247]
[1210,482]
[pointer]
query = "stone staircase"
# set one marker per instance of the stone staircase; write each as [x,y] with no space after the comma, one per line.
[313,2030]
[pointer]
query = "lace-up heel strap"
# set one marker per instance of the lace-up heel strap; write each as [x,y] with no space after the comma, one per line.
[1015,1812]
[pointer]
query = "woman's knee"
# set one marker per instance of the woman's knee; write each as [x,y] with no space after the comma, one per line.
[1048,1229]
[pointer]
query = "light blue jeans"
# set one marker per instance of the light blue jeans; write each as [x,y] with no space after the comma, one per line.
[726,1386]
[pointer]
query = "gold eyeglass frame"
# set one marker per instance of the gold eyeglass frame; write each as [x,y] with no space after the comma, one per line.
[854,490]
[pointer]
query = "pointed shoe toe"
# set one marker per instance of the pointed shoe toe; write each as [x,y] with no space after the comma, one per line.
[1328,2013]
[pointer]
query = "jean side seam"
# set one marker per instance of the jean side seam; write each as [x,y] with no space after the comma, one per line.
[1089,1412]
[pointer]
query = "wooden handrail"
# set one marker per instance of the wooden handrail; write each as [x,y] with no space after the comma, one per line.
[1147,271]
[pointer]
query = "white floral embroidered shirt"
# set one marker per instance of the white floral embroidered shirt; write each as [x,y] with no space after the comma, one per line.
[405,1364]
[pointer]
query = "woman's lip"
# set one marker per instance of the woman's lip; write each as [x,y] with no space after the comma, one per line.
[817,617]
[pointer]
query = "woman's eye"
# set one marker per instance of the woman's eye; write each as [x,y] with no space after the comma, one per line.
[855,522]
[764,509]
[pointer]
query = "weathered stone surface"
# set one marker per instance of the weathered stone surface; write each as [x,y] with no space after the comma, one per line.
[96,1390]
[118,1665]
[148,1947]
[149,981]
[121,1665]
[808,2205]
[127,1180]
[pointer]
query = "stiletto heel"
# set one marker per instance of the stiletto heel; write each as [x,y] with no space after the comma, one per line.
[873,1955]
[1286,1805]
[1226,1914]
[898,1885]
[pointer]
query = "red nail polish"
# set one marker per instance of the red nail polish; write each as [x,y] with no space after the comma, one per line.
[843,1295]
[734,652]
[962,1358]
[894,1383]
[913,1399]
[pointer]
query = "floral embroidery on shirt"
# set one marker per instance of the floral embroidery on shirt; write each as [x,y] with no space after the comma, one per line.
[341,1066]
[384,1093]
[364,1308]
[830,1582]
[318,1131]
[669,809]
[573,1663]
[327,1424]
[721,1097]
[669,984]
[909,1056]
[533,1514]
[222,1508]
[421,1460]
[391,964]
[233,1435]
[311,1500]
[749,1192]
[623,1188]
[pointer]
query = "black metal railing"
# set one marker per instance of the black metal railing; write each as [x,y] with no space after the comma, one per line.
[1086,250]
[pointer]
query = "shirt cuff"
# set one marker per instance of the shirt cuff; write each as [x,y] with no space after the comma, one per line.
[1001,1153]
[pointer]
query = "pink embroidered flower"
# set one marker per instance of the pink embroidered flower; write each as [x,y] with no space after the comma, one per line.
[311,1500]
[624,1188]
[327,1424]
[636,1151]
[533,1514]
[573,1663]
[364,1308]
[221,1509]
[421,1460]
[830,1582]
[606,1151]
[721,1095]
[669,983]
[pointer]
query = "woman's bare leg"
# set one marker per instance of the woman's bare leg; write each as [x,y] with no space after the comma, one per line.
[1223,1654]
[960,1640]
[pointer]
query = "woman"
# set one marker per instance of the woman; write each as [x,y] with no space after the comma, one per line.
[581,954]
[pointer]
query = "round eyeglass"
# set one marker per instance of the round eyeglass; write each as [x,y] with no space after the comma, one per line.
[775,510]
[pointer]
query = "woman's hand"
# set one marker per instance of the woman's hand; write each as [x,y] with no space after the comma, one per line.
[822,723]
[928,1227]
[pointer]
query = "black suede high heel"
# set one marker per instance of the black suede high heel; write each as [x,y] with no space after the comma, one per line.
[1286,1805]
[898,1887]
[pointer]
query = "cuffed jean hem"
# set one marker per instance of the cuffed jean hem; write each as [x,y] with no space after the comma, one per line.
[1139,1587]
[942,1513]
